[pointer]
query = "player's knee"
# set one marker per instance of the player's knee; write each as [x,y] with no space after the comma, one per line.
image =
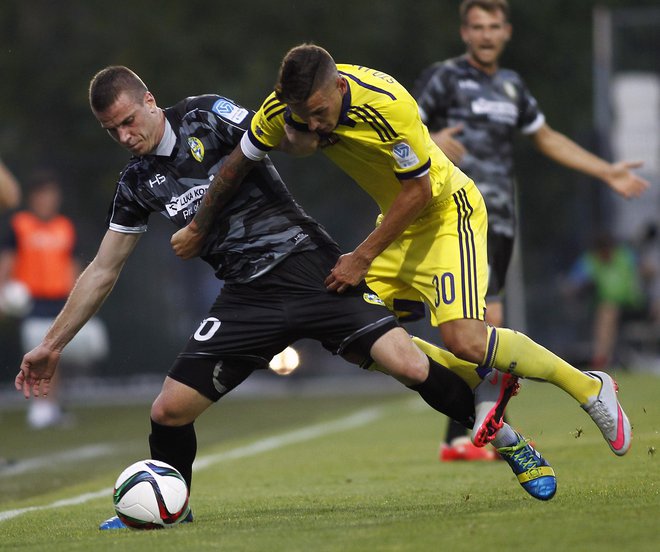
[166,413]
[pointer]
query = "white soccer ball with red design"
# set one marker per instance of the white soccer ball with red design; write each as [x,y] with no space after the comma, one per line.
[151,494]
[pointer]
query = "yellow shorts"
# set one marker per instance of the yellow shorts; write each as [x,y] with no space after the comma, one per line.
[441,260]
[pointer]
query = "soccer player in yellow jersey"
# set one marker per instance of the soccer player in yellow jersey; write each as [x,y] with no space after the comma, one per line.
[430,240]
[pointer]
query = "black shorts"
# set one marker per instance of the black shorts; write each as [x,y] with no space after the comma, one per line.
[500,249]
[250,323]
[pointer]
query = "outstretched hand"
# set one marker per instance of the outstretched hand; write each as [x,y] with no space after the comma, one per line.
[625,182]
[37,370]
[187,242]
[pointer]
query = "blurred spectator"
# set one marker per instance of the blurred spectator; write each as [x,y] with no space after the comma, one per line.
[38,269]
[610,270]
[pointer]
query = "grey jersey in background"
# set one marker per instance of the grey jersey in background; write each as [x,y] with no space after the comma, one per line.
[491,108]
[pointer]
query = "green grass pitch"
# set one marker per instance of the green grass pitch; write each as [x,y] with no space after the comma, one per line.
[331,473]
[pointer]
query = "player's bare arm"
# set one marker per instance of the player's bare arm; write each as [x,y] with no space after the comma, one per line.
[351,268]
[91,289]
[618,176]
[187,242]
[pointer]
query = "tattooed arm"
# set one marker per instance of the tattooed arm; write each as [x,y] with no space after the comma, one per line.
[187,242]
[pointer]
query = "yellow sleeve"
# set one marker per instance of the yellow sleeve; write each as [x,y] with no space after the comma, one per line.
[267,126]
[409,151]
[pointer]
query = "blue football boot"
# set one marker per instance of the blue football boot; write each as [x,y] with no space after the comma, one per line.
[115,523]
[533,472]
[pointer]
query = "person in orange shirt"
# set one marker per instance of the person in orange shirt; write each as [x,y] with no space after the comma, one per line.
[39,251]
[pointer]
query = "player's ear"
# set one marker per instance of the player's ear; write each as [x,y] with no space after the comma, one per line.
[464,34]
[509,31]
[342,84]
[149,99]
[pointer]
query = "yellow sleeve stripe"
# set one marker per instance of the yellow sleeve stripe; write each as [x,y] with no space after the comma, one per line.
[270,113]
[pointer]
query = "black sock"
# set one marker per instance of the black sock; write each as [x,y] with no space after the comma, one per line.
[448,393]
[175,445]
[454,430]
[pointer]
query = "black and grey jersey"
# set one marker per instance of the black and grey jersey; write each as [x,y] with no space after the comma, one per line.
[491,108]
[261,225]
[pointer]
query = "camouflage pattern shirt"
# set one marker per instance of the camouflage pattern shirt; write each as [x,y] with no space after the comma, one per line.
[490,108]
[259,227]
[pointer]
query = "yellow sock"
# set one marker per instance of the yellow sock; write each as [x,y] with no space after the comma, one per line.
[466,370]
[514,352]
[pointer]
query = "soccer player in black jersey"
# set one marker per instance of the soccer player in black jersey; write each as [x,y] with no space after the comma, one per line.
[271,255]
[473,108]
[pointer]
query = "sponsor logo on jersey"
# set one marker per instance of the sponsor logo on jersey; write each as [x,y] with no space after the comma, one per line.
[497,111]
[196,148]
[468,84]
[404,155]
[156,180]
[229,111]
[373,299]
[185,200]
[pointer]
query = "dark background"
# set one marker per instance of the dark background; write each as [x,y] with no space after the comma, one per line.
[49,50]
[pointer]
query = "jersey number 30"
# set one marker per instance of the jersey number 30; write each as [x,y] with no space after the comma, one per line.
[445,289]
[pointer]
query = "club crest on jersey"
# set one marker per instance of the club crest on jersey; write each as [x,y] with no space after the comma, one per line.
[373,299]
[196,148]
[404,155]
[510,90]
[229,110]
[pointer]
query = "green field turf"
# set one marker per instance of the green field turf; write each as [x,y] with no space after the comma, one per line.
[355,473]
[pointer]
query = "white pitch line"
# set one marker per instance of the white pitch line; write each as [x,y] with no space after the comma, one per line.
[360,418]
[49,460]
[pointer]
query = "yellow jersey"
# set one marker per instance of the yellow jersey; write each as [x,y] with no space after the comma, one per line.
[380,138]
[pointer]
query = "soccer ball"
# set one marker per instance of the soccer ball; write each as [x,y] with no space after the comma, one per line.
[151,494]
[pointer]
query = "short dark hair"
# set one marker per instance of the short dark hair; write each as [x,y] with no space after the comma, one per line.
[106,86]
[303,71]
[490,6]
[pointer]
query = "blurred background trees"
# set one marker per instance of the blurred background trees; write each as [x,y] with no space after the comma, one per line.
[49,50]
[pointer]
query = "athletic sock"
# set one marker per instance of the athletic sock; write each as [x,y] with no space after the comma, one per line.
[454,431]
[505,437]
[175,445]
[446,392]
[514,352]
